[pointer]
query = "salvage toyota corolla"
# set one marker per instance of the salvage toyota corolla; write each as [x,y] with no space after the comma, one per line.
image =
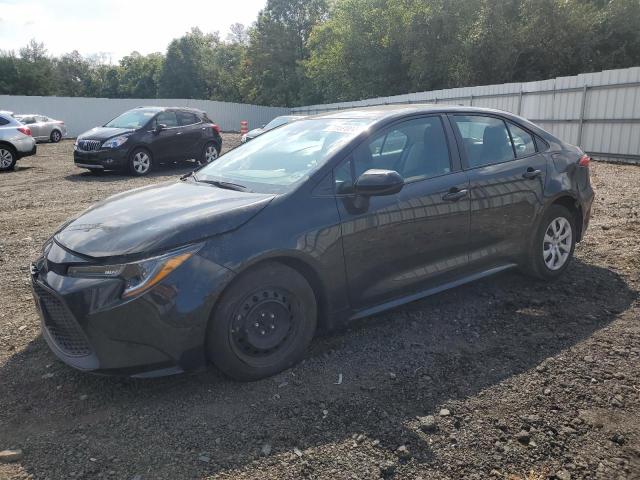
[314,223]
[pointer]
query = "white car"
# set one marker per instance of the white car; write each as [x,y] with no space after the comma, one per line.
[15,141]
[44,128]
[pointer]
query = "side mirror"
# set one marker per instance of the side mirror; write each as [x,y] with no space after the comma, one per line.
[160,127]
[379,182]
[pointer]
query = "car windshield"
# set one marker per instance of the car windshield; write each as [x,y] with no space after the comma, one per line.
[132,119]
[279,160]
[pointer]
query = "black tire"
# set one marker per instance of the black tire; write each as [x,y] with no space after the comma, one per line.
[137,162]
[8,158]
[263,323]
[55,136]
[541,255]
[209,154]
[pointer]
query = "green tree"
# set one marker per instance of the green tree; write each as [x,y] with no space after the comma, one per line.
[274,73]
[183,73]
[9,75]
[34,70]
[139,75]
[71,75]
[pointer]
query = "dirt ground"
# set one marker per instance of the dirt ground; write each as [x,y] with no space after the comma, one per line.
[505,378]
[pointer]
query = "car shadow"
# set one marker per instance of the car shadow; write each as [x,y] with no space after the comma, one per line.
[372,378]
[162,171]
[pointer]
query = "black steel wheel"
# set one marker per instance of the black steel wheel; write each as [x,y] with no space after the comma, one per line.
[263,322]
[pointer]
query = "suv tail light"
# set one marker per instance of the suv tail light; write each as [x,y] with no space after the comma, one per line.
[216,128]
[25,130]
[584,160]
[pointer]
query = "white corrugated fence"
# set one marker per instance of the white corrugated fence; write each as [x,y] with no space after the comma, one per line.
[80,113]
[598,111]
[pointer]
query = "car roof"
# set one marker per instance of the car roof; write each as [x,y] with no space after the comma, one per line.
[163,109]
[380,112]
[385,113]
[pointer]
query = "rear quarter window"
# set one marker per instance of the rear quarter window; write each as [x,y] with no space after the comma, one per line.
[3,121]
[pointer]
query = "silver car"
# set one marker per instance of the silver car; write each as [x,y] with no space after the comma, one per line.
[15,141]
[43,127]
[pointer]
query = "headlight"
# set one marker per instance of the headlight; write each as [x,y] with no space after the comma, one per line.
[115,142]
[138,276]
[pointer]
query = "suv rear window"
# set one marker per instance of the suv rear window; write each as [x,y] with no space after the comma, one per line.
[187,118]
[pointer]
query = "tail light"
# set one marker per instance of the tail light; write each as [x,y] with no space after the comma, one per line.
[584,160]
[216,128]
[25,130]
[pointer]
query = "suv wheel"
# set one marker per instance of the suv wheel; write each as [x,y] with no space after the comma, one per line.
[553,244]
[140,162]
[210,153]
[55,136]
[263,323]
[7,158]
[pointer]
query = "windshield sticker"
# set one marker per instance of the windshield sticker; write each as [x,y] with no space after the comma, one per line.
[342,128]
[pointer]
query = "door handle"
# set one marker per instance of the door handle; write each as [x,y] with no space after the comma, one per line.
[179,133]
[454,195]
[531,173]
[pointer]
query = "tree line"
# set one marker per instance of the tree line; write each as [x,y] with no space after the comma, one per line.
[317,51]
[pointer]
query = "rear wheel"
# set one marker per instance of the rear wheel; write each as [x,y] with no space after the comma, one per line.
[263,323]
[55,136]
[553,244]
[140,162]
[8,158]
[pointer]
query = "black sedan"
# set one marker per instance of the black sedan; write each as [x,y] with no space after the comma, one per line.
[143,138]
[315,223]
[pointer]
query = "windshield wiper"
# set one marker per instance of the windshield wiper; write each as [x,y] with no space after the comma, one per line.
[227,185]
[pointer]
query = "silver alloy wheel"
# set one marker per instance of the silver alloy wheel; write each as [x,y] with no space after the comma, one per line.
[141,162]
[210,154]
[6,158]
[556,245]
[55,136]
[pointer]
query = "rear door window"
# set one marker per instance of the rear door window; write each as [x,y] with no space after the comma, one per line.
[523,142]
[486,140]
[187,118]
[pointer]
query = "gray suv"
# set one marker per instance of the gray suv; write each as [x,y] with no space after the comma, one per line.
[15,141]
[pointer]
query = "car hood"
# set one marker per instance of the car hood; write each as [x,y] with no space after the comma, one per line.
[159,217]
[103,133]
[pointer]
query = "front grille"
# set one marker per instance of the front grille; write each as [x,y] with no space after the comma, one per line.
[61,325]
[89,145]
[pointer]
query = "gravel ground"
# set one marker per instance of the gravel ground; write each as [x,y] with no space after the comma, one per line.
[504,378]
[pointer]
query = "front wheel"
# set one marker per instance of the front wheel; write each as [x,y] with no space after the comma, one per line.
[263,323]
[140,162]
[210,153]
[553,244]
[8,158]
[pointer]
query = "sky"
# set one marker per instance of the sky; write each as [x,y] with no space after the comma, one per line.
[115,28]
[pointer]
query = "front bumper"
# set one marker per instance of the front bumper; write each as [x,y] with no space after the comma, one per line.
[88,326]
[108,159]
